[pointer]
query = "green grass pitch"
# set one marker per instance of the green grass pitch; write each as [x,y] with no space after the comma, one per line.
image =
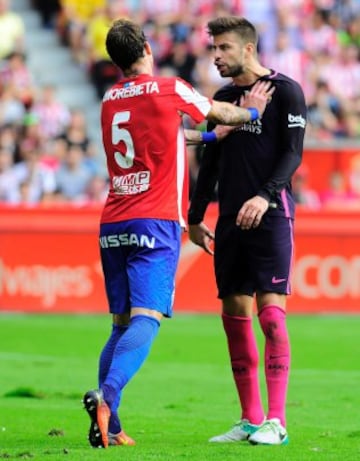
[183,395]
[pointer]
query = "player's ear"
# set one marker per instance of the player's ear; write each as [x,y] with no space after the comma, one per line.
[147,48]
[250,48]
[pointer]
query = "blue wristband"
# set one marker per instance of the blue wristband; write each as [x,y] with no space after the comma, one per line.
[208,136]
[254,113]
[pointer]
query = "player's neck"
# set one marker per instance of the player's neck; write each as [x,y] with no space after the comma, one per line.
[253,72]
[140,67]
[133,73]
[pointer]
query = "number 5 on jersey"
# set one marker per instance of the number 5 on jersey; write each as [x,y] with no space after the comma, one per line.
[122,135]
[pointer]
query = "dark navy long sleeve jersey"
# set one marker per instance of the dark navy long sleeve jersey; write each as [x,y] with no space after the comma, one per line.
[257,158]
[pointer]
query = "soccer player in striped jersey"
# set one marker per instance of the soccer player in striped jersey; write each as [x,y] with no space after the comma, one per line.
[253,250]
[144,214]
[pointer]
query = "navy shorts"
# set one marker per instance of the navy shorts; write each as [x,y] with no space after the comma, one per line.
[255,260]
[139,259]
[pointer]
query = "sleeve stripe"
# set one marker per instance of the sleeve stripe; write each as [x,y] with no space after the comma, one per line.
[191,96]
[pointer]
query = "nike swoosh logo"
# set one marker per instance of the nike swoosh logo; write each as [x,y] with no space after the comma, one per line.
[272,357]
[275,280]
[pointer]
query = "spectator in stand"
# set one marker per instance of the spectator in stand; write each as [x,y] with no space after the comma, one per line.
[55,153]
[33,177]
[55,149]
[73,176]
[289,16]
[349,32]
[9,137]
[12,110]
[318,35]
[160,38]
[8,180]
[52,114]
[343,73]
[344,81]
[181,60]
[287,58]
[163,12]
[346,9]
[95,193]
[76,132]
[15,74]
[340,79]
[48,10]
[72,23]
[303,194]
[12,30]
[29,134]
[324,114]
[263,15]
[339,195]
[102,71]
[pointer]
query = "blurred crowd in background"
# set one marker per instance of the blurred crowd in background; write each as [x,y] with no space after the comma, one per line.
[47,154]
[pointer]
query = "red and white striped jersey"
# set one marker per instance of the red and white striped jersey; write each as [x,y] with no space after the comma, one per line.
[144,143]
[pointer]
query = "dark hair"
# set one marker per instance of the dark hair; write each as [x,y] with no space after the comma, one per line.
[239,25]
[125,43]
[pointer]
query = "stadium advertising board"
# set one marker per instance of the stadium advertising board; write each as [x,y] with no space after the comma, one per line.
[49,262]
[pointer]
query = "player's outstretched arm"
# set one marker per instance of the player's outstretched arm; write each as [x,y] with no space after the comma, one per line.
[224,113]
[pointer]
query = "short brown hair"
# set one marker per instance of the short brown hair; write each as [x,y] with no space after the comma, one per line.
[246,31]
[125,43]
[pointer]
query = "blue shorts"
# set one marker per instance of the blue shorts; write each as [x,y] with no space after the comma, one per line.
[139,259]
[255,260]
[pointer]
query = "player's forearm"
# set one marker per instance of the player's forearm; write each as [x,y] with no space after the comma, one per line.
[196,137]
[229,114]
[205,184]
[281,175]
[192,136]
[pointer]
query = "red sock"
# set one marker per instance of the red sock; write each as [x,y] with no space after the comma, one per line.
[277,359]
[244,358]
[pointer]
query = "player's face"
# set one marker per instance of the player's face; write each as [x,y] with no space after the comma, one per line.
[229,54]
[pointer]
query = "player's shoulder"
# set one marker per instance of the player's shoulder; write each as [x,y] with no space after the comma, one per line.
[171,80]
[283,82]
[174,84]
[287,90]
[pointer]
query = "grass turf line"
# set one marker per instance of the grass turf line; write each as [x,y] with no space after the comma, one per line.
[183,395]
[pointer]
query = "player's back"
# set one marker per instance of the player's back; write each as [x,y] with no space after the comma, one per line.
[145,147]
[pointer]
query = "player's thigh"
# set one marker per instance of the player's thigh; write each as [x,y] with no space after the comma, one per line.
[151,268]
[231,259]
[272,253]
[113,259]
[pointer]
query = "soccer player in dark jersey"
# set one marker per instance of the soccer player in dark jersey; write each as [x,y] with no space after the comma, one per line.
[145,212]
[254,237]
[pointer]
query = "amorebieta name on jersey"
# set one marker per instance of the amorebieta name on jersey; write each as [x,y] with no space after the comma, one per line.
[130,90]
